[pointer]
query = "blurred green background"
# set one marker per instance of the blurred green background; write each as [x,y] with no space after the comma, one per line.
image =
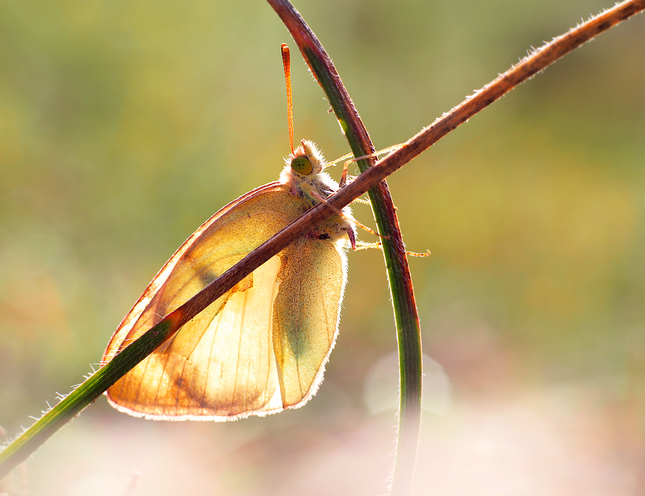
[125,125]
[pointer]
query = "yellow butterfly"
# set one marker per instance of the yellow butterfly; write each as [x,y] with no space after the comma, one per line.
[263,345]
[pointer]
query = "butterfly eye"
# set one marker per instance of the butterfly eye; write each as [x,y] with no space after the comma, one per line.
[302,165]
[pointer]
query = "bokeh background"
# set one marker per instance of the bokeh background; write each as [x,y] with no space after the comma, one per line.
[125,125]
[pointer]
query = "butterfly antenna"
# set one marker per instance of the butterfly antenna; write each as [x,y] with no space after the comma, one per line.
[286,62]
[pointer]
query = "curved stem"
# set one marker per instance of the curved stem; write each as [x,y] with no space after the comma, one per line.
[406,316]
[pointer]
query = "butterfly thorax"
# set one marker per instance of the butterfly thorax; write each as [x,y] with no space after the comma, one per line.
[305,176]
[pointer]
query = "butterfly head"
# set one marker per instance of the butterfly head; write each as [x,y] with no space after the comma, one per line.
[304,173]
[306,160]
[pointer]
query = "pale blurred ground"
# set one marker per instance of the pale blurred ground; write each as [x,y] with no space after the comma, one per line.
[124,125]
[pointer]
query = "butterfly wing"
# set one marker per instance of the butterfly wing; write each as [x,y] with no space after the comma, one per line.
[257,349]
[306,313]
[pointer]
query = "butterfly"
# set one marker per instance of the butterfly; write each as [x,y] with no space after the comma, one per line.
[262,346]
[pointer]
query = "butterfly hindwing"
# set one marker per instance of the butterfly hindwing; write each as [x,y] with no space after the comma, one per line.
[306,314]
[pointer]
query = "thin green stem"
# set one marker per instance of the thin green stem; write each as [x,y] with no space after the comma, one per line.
[82,396]
[406,316]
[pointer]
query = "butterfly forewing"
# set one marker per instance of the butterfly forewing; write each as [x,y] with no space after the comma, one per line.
[257,349]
